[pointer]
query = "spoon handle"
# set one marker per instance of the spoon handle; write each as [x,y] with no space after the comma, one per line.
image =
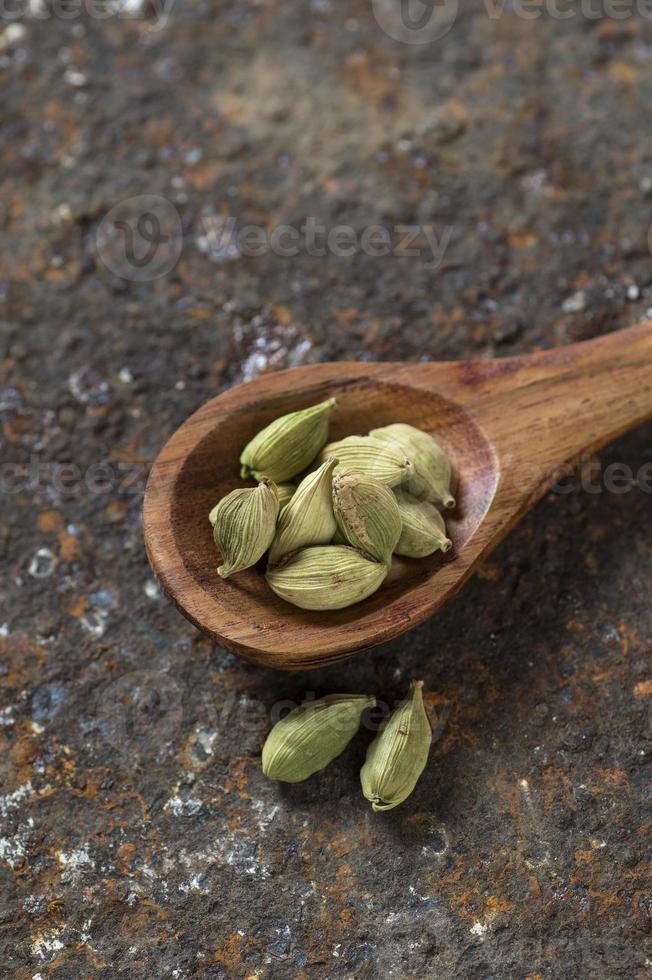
[553,406]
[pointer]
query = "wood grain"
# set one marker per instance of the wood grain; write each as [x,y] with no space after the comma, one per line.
[509,426]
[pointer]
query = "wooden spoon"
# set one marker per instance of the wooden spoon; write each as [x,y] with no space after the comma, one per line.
[510,427]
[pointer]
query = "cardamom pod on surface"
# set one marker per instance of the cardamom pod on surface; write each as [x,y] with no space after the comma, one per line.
[325,577]
[398,755]
[423,530]
[244,523]
[364,456]
[308,518]
[367,515]
[288,444]
[312,735]
[285,493]
[432,476]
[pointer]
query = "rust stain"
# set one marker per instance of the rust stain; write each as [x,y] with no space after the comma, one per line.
[624,73]
[231,950]
[50,521]
[79,607]
[69,547]
[342,845]
[643,689]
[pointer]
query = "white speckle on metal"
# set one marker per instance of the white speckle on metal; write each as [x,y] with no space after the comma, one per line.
[265,819]
[12,801]
[95,622]
[196,884]
[74,863]
[84,386]
[183,808]
[152,590]
[42,564]
[206,740]
[12,35]
[526,794]
[45,945]
[75,78]
[575,303]
[13,849]
[7,715]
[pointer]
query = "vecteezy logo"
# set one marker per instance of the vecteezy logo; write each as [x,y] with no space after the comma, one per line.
[140,239]
[415,21]
[139,712]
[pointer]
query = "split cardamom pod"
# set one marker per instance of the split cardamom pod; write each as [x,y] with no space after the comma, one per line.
[308,519]
[288,444]
[326,577]
[431,479]
[285,493]
[312,735]
[367,515]
[364,456]
[398,755]
[244,523]
[423,530]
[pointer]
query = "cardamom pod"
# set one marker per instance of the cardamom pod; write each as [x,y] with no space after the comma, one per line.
[367,515]
[338,537]
[432,475]
[285,493]
[326,577]
[312,735]
[288,444]
[308,519]
[423,530]
[244,523]
[398,755]
[364,456]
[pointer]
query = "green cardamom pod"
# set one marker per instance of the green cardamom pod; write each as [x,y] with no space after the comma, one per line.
[361,455]
[367,515]
[325,577]
[432,476]
[308,519]
[244,523]
[312,735]
[288,445]
[285,493]
[338,537]
[398,755]
[423,530]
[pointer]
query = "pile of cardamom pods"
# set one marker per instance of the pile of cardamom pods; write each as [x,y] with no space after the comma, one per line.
[315,733]
[331,537]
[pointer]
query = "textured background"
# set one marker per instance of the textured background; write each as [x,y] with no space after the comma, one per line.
[138,837]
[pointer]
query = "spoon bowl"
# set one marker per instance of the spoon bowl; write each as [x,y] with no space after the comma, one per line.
[500,422]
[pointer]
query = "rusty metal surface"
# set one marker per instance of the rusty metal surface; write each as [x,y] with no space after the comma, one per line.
[138,837]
